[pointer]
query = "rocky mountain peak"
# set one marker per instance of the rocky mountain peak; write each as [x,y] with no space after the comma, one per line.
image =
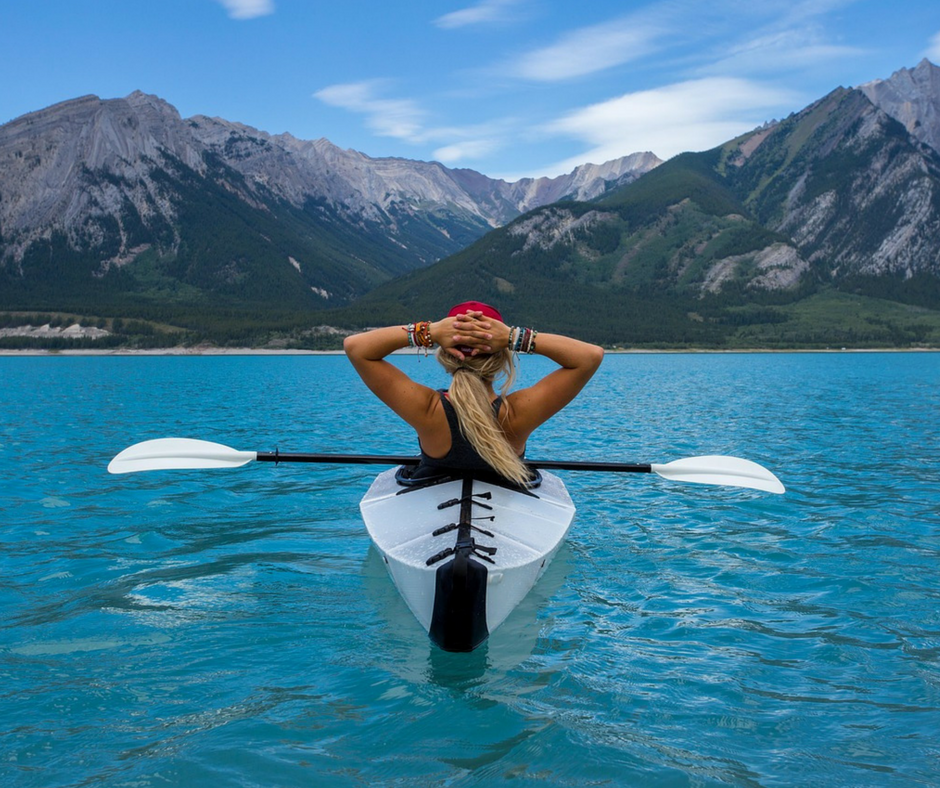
[46,156]
[911,96]
[147,102]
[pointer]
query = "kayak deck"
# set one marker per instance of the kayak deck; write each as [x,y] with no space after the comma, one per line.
[464,551]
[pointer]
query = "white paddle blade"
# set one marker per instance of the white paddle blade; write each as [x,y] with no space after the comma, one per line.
[715,469]
[175,453]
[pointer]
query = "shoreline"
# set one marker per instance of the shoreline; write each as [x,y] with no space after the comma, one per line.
[173,351]
[214,351]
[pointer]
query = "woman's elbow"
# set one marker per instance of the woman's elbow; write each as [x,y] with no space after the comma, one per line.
[350,344]
[594,357]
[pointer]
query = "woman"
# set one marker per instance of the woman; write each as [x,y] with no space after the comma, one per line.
[469,427]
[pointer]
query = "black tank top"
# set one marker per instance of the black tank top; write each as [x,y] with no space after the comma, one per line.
[462,455]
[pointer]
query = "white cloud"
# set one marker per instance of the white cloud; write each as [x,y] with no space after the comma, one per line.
[248,9]
[797,12]
[485,12]
[933,53]
[687,116]
[465,150]
[404,119]
[778,51]
[399,118]
[790,35]
[590,49]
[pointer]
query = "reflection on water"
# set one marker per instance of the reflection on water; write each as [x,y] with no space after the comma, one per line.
[415,658]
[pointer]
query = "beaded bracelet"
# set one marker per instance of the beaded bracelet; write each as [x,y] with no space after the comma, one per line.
[419,335]
[522,340]
[423,334]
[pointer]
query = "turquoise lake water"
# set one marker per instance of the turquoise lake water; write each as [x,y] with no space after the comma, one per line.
[234,628]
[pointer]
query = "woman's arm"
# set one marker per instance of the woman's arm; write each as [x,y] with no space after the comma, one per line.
[471,334]
[577,362]
[367,352]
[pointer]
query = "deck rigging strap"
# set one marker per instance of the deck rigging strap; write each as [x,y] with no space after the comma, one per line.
[454,526]
[465,499]
[466,545]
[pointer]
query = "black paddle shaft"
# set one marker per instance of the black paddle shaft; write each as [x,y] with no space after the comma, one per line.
[373,459]
[354,459]
[576,465]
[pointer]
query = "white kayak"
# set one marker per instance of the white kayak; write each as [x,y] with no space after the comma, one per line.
[464,551]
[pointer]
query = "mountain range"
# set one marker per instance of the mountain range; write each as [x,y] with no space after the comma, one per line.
[820,228]
[797,233]
[105,199]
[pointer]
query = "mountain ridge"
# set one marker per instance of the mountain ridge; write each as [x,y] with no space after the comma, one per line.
[105,185]
[836,202]
[912,97]
[359,182]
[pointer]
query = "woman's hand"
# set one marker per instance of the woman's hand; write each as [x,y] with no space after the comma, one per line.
[470,334]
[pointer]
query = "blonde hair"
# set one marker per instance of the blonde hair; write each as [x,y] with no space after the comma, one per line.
[478,423]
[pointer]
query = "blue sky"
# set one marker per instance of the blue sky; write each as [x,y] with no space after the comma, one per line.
[511,88]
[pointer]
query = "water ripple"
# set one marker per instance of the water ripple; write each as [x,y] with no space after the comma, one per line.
[219,628]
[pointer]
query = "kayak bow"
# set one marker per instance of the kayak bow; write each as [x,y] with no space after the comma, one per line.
[465,550]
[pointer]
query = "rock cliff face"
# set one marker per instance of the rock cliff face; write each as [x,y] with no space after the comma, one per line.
[911,96]
[114,177]
[48,158]
[298,169]
[855,193]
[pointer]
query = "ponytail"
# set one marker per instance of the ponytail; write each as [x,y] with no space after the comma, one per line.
[478,423]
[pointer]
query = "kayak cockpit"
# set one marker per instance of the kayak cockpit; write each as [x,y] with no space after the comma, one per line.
[417,476]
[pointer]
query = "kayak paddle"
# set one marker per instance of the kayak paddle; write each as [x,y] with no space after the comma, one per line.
[178,453]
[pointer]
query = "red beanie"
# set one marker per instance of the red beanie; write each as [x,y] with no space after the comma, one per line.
[475,306]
